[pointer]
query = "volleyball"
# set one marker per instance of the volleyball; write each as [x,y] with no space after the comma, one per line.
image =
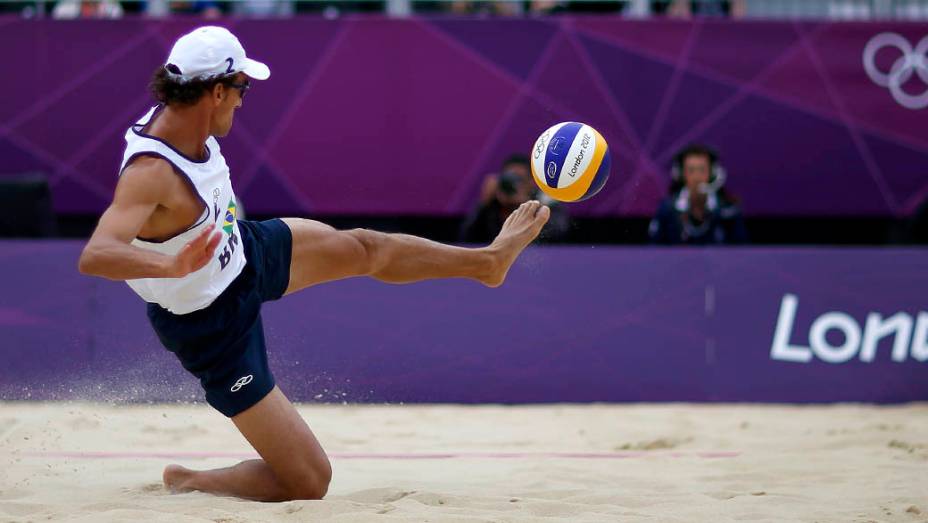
[571,162]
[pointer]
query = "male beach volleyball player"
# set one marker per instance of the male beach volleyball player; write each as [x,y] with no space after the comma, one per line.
[172,235]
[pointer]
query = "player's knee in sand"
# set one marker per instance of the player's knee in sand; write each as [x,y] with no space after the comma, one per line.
[311,482]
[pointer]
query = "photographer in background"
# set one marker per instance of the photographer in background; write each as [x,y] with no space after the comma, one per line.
[698,211]
[503,194]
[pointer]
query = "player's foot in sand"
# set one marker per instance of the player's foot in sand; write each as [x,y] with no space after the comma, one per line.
[176,479]
[522,226]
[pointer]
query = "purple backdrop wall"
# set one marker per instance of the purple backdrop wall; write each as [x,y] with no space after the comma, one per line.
[378,116]
[571,324]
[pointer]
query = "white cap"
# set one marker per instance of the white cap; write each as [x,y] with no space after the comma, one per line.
[211,51]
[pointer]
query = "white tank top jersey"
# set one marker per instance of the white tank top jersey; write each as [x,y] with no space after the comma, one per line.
[210,181]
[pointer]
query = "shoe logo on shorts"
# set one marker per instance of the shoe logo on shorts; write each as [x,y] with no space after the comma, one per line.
[244,380]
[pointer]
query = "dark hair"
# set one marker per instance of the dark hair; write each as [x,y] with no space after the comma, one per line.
[171,92]
[679,159]
[516,159]
[695,150]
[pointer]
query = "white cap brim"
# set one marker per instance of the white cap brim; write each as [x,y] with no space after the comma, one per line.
[257,70]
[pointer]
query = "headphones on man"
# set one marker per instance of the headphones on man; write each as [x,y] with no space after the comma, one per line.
[717,173]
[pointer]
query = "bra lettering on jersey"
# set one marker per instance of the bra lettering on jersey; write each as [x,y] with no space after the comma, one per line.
[228,251]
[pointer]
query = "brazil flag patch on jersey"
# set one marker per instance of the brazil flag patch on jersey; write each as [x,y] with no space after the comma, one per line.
[229,222]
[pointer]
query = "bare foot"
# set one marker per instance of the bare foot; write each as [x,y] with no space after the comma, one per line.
[522,226]
[177,479]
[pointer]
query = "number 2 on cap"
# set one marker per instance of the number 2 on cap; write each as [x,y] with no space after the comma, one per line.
[229,70]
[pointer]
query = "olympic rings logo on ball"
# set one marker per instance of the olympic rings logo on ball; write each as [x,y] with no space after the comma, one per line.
[540,146]
[912,61]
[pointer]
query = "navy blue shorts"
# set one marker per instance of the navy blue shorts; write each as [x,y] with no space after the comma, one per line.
[223,344]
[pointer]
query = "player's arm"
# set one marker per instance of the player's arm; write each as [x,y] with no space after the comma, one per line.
[142,187]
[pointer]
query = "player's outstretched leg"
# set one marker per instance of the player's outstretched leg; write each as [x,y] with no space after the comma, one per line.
[321,253]
[293,464]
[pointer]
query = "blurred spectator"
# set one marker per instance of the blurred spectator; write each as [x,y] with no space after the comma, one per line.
[70,9]
[802,8]
[545,7]
[698,211]
[204,8]
[836,9]
[535,7]
[156,8]
[578,6]
[263,8]
[500,8]
[331,9]
[501,195]
[398,8]
[25,9]
[688,8]
[161,8]
[638,8]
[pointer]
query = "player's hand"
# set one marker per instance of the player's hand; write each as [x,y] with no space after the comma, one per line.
[196,253]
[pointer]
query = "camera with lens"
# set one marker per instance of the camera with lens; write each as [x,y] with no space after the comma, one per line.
[509,183]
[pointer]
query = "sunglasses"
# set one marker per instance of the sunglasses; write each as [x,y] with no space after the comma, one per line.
[242,87]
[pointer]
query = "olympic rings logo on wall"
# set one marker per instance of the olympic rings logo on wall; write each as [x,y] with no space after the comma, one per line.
[912,61]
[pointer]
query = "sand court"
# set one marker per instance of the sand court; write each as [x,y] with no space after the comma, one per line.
[728,327]
[602,462]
